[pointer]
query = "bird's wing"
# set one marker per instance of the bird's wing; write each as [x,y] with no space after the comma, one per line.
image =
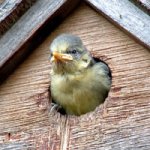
[103,72]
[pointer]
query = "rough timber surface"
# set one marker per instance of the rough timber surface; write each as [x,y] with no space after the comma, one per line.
[127,16]
[145,4]
[30,30]
[11,10]
[122,123]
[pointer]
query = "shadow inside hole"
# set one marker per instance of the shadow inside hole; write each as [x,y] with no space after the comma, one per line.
[59,108]
[97,60]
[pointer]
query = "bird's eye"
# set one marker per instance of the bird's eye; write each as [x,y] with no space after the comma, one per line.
[74,51]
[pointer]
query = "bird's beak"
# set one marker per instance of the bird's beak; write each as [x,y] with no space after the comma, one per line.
[61,57]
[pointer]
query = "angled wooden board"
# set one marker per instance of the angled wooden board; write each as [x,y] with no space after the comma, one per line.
[122,123]
[10,11]
[30,30]
[127,16]
[145,5]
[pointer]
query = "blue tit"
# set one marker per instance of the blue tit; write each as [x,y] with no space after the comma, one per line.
[78,82]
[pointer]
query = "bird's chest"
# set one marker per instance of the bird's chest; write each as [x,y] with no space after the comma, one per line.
[62,90]
[73,93]
[62,84]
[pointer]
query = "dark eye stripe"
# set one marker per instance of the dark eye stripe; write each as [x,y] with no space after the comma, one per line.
[74,51]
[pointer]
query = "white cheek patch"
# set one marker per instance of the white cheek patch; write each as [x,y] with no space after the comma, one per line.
[83,64]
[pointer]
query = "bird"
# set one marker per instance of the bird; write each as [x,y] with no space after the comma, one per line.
[79,83]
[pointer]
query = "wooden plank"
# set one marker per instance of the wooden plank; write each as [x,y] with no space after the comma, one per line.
[11,11]
[29,31]
[144,4]
[122,123]
[127,16]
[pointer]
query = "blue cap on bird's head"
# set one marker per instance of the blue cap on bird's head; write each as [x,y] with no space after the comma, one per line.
[64,42]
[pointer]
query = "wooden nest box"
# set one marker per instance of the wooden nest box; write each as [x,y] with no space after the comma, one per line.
[121,123]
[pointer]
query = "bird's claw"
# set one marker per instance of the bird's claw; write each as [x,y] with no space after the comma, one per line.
[58,108]
[54,106]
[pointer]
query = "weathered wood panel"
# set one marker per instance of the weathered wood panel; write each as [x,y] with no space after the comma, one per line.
[127,16]
[122,123]
[144,4]
[11,10]
[32,27]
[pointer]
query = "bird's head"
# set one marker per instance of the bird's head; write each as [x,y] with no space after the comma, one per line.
[68,54]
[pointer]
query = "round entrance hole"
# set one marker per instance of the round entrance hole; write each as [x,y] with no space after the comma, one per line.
[107,71]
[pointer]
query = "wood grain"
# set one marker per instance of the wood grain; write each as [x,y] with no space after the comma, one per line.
[122,123]
[30,30]
[11,11]
[127,16]
[144,4]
